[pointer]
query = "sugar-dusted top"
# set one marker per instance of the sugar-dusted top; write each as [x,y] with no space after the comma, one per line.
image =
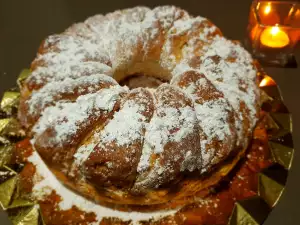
[140,139]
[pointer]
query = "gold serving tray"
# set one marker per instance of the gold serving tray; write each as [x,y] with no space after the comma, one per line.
[250,211]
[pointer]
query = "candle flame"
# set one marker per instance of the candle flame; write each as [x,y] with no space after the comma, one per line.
[274,37]
[268,9]
[274,30]
[267,81]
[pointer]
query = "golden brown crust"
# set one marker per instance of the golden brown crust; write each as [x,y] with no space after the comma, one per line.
[70,93]
[58,155]
[245,117]
[89,149]
[163,198]
[216,149]
[113,164]
[177,156]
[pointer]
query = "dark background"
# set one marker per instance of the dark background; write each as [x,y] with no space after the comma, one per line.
[25,23]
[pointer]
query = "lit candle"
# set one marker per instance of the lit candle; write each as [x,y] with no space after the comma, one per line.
[274,37]
[274,31]
[267,81]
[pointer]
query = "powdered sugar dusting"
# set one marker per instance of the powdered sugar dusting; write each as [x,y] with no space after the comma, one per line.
[111,44]
[212,116]
[126,126]
[83,152]
[168,14]
[186,26]
[74,70]
[161,128]
[54,90]
[48,183]
[236,79]
[230,68]
[72,49]
[65,117]
[212,111]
